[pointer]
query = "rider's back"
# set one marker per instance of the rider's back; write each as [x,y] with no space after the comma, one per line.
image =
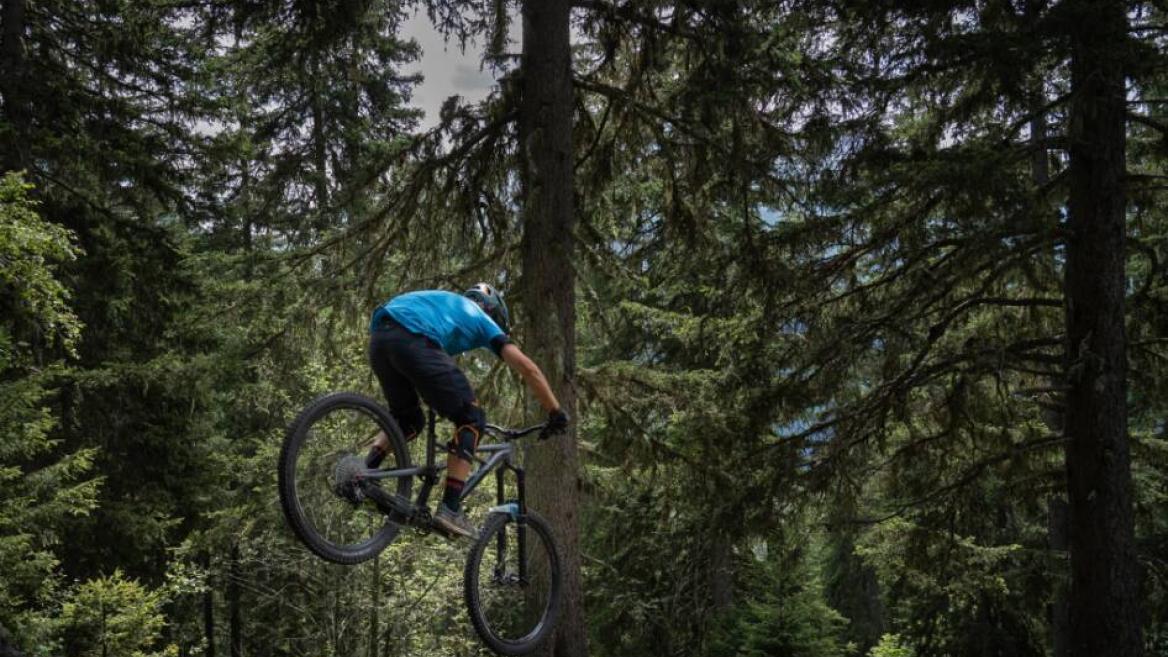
[452,321]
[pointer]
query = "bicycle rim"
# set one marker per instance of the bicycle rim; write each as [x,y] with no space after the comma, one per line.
[323,497]
[513,609]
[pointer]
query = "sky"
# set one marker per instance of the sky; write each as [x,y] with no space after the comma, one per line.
[447,70]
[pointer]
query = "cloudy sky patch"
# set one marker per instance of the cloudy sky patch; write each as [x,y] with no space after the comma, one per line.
[448,71]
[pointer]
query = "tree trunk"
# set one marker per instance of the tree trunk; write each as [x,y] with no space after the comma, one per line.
[1039,157]
[1060,618]
[375,607]
[721,572]
[1105,608]
[853,590]
[236,622]
[545,133]
[319,153]
[1059,611]
[13,76]
[8,649]
[209,612]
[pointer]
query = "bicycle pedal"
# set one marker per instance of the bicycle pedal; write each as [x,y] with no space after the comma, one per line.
[452,537]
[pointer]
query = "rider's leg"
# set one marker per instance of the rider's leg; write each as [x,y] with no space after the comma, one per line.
[470,421]
[399,393]
[437,378]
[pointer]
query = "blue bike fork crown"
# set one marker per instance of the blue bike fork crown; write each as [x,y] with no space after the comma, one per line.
[510,508]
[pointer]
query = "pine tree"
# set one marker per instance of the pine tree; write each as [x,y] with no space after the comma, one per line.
[548,251]
[41,491]
[1105,605]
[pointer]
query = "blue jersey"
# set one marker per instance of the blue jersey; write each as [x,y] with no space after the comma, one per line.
[453,321]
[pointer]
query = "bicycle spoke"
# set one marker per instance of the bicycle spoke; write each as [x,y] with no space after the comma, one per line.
[512,606]
[340,434]
[324,490]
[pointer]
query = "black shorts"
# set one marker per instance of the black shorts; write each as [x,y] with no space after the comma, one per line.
[409,365]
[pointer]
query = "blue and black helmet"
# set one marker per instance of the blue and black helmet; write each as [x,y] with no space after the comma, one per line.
[492,302]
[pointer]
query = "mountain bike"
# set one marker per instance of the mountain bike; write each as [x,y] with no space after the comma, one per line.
[347,513]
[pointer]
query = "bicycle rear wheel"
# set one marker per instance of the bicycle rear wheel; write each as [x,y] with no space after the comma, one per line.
[321,489]
[514,607]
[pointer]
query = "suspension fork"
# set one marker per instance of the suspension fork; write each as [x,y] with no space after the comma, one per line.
[501,537]
[521,524]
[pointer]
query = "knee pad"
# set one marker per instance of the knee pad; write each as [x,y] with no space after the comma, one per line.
[466,439]
[466,436]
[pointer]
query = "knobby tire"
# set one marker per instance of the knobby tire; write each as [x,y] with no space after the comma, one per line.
[294,440]
[539,530]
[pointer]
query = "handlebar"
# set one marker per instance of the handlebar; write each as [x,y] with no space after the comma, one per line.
[513,434]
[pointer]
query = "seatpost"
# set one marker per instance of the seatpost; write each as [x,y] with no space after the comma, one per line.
[430,436]
[430,473]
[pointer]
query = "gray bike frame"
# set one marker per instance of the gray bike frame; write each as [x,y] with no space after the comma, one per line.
[500,459]
[500,456]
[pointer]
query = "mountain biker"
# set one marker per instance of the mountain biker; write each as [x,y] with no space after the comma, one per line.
[412,339]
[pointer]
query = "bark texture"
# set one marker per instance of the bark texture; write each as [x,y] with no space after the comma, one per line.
[1060,611]
[208,613]
[13,94]
[545,132]
[1104,601]
[375,607]
[233,601]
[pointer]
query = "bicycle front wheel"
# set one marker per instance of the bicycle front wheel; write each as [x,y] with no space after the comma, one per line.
[322,490]
[513,583]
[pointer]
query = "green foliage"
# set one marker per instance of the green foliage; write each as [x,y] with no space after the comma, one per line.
[820,252]
[948,607]
[97,104]
[41,489]
[114,617]
[39,494]
[783,613]
[33,300]
[891,645]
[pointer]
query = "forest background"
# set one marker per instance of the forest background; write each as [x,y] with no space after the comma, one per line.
[860,308]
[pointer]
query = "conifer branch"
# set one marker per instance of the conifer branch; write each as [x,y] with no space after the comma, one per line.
[1143,119]
[627,12]
[969,476]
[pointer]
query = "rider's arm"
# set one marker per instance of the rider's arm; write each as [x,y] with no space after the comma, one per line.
[531,374]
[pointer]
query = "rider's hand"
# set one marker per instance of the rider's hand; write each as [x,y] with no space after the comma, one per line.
[556,423]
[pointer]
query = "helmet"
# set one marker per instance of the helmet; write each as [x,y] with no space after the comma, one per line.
[492,301]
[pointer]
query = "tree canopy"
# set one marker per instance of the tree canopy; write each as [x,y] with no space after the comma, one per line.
[859,309]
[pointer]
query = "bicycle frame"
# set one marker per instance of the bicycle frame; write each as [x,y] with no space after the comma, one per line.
[500,459]
[347,511]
